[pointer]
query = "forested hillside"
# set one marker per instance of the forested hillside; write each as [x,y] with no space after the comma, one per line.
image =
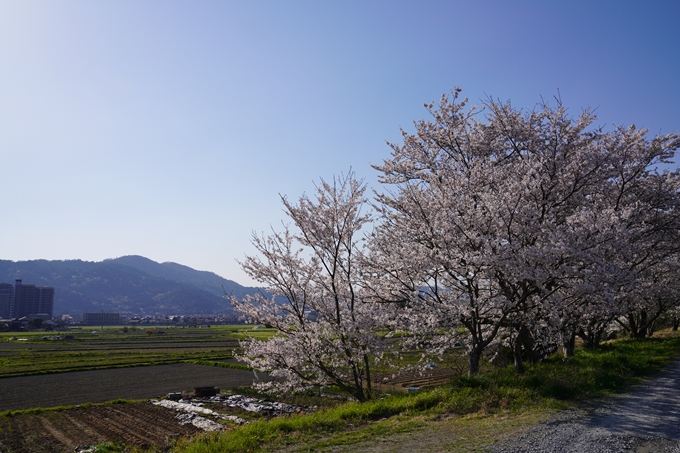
[207,281]
[131,285]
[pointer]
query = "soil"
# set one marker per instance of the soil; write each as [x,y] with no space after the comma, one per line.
[419,379]
[98,386]
[138,424]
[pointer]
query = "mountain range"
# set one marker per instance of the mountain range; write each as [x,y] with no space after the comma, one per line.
[132,285]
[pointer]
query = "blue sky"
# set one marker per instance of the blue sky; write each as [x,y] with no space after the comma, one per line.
[168,129]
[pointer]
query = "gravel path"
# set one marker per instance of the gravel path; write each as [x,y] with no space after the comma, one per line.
[645,420]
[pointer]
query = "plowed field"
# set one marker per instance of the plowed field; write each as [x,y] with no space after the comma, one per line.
[96,386]
[139,424]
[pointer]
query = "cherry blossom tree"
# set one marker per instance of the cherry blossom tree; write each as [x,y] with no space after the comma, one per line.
[312,270]
[674,314]
[508,225]
[497,226]
[656,294]
[643,239]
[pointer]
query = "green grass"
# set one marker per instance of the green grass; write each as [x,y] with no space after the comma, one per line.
[544,387]
[35,364]
[234,366]
[254,331]
[115,348]
[41,410]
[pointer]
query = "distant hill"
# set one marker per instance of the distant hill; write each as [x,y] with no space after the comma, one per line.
[129,285]
[207,281]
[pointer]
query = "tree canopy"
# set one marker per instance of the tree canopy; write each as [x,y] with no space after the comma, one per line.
[496,226]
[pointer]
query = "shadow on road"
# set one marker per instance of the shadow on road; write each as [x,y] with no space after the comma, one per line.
[652,409]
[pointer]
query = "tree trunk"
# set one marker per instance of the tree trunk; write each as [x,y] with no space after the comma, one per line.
[651,328]
[591,338]
[358,385]
[569,345]
[638,325]
[676,323]
[473,361]
[534,354]
[368,378]
[517,349]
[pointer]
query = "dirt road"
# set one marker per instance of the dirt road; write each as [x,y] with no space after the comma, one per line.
[646,419]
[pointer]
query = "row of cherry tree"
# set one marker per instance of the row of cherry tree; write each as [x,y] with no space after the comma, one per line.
[497,226]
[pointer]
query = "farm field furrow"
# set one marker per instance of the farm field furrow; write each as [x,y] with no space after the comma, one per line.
[139,424]
[94,386]
[47,369]
[118,346]
[57,365]
[33,353]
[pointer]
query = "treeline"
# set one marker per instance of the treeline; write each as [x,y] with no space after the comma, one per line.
[496,226]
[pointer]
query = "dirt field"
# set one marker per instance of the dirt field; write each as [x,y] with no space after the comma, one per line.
[419,379]
[139,424]
[80,387]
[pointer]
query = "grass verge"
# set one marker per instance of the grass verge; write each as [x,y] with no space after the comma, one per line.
[42,410]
